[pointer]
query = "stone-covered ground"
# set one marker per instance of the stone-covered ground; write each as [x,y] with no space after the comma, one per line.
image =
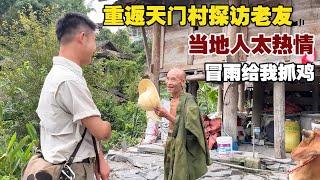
[149,166]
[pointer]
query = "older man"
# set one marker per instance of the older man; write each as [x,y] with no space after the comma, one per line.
[186,154]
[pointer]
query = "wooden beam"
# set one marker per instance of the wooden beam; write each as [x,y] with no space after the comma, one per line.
[219,103]
[299,87]
[190,57]
[146,47]
[241,100]
[242,55]
[230,104]
[195,77]
[279,119]
[243,58]
[193,88]
[244,31]
[288,30]
[315,94]
[290,87]
[257,103]
[230,107]
[162,45]
[155,61]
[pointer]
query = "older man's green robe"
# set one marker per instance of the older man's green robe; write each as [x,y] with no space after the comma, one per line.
[186,153]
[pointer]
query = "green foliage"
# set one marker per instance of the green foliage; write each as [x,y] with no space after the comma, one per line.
[207,98]
[24,71]
[129,123]
[121,41]
[113,77]
[104,35]
[11,9]
[137,49]
[121,37]
[5,5]
[63,6]
[27,45]
[163,92]
[16,152]
[113,84]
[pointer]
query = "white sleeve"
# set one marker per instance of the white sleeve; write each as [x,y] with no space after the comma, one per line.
[76,99]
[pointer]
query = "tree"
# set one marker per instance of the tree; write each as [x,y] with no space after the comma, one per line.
[27,45]
[121,40]
[104,35]
[24,71]
[121,37]
[5,5]
[11,9]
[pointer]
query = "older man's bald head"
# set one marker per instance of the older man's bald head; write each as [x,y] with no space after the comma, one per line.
[175,81]
[179,73]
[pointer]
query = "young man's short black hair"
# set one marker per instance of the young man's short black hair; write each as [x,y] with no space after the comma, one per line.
[70,22]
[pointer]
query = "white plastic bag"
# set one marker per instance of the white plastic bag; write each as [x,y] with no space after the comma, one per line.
[154,127]
[164,123]
[152,132]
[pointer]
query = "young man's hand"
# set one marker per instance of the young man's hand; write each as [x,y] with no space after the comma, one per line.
[97,127]
[104,170]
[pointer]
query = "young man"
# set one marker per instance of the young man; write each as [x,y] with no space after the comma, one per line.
[66,107]
[186,153]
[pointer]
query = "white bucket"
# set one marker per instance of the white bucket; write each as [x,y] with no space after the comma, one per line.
[224,144]
[306,119]
[315,125]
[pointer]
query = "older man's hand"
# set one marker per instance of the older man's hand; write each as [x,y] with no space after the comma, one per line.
[161,112]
